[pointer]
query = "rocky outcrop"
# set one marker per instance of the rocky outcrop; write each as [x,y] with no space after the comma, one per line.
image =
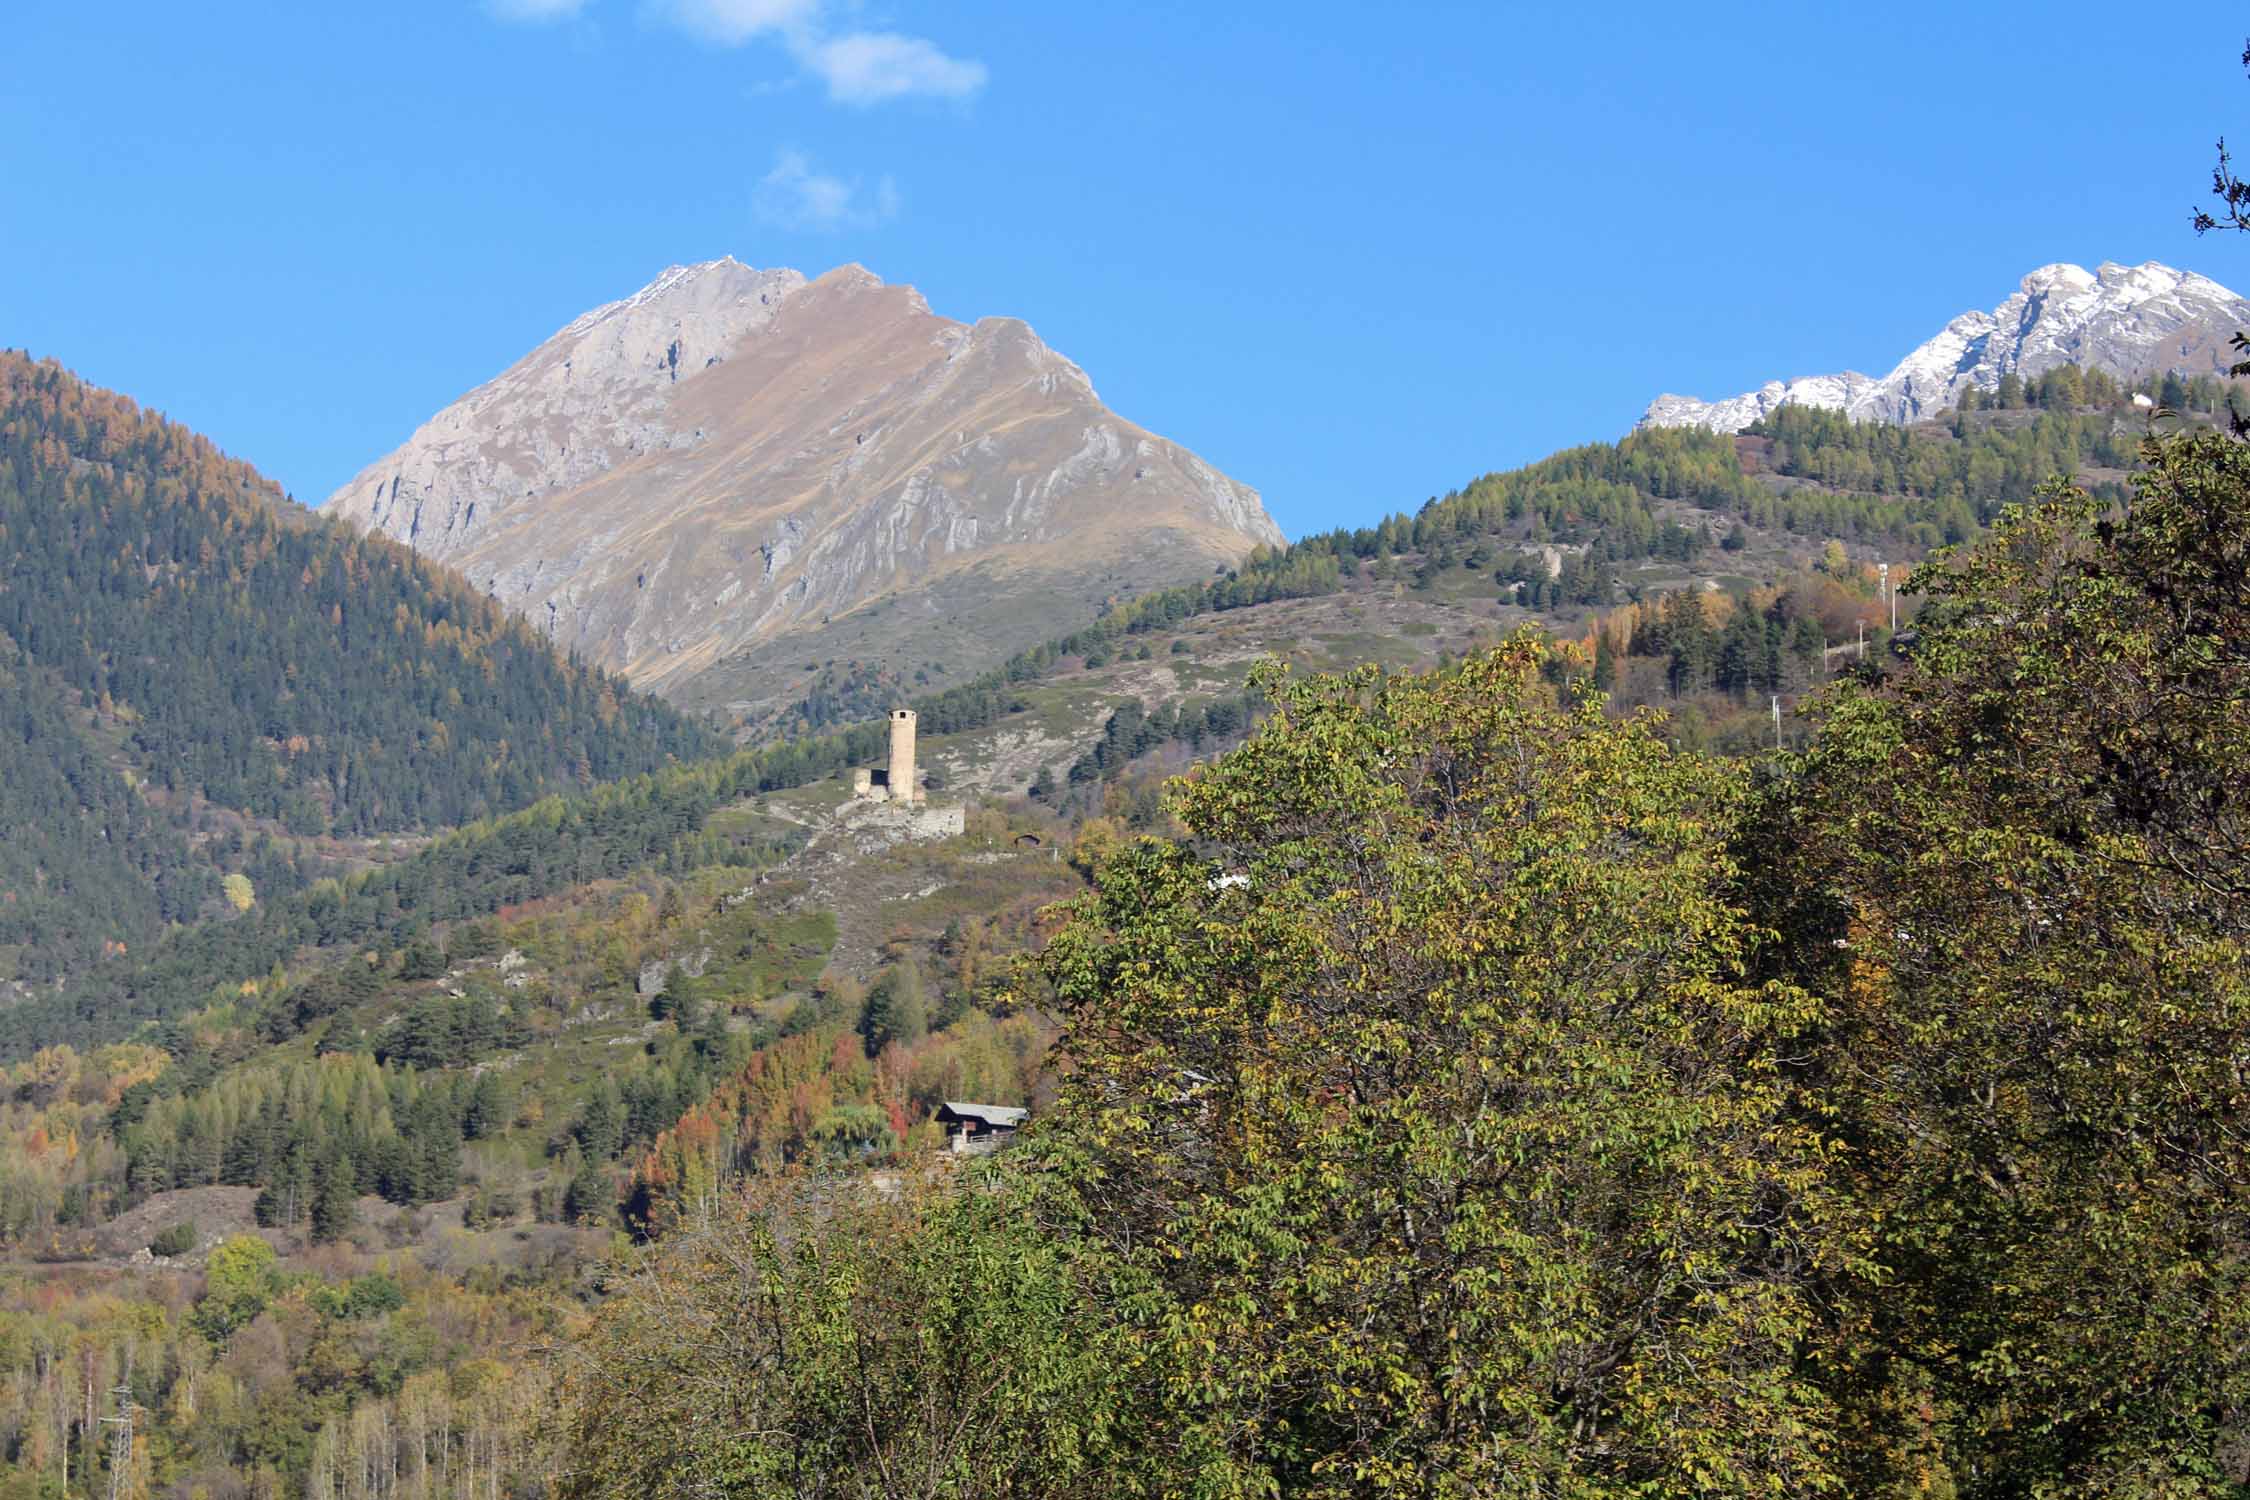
[2127,320]
[693,483]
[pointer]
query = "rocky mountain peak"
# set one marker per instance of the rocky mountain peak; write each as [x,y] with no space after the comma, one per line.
[2127,320]
[680,323]
[730,459]
[2063,275]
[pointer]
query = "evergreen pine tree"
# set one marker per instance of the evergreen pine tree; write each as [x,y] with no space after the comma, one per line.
[897,1011]
[334,1199]
[678,1000]
[590,1197]
[490,1106]
[601,1123]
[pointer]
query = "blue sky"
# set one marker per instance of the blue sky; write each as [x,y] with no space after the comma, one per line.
[1353,255]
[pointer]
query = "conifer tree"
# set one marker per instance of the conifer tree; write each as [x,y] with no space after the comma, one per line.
[334,1198]
[897,1010]
[601,1123]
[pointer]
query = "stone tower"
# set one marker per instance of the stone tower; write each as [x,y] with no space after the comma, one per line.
[901,775]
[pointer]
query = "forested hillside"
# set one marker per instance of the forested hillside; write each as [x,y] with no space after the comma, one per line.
[1619,548]
[1702,571]
[439,1084]
[87,862]
[783,903]
[1480,1096]
[181,642]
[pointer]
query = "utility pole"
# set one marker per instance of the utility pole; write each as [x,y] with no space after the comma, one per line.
[1883,585]
[1777,721]
[1862,640]
[121,1443]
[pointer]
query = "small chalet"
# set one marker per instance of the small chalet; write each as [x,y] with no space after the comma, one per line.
[977,1128]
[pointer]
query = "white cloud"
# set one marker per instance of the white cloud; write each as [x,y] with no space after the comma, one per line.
[858,67]
[535,10]
[730,23]
[869,67]
[794,195]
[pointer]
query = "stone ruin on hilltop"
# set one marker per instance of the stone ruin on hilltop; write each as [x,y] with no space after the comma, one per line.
[892,793]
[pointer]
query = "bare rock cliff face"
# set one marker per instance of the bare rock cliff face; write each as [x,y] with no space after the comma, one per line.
[2127,320]
[735,472]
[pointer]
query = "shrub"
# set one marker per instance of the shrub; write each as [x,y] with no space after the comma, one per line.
[179,1239]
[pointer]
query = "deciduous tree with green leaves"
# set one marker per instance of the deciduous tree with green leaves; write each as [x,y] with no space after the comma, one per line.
[1483,1098]
[238,1281]
[811,1338]
[1429,1083]
[2019,871]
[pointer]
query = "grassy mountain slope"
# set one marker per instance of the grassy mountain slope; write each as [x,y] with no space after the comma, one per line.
[1591,529]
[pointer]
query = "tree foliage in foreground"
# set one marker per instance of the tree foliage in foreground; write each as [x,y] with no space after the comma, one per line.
[1442,1152]
[2021,873]
[816,1340]
[1484,1099]
[1446,1116]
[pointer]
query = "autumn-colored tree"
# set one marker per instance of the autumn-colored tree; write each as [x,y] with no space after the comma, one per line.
[1428,1085]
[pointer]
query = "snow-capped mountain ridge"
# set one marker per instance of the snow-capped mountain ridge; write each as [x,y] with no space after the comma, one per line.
[2127,320]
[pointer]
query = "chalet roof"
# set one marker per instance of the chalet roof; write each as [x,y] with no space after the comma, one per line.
[999,1116]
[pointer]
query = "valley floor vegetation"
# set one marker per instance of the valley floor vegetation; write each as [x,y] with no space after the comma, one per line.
[1482,1095]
